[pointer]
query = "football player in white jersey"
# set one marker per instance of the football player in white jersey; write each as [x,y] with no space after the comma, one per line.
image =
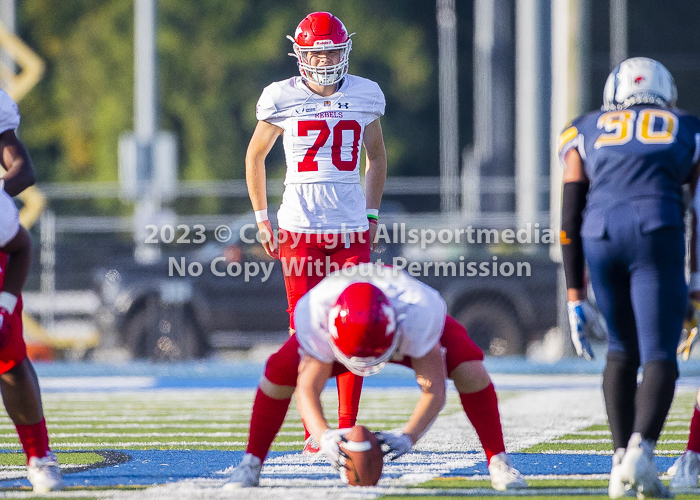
[324,117]
[18,381]
[358,320]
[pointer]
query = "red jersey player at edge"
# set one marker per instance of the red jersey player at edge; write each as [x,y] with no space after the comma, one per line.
[324,116]
[18,381]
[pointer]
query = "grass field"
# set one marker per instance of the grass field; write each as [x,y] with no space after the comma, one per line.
[178,443]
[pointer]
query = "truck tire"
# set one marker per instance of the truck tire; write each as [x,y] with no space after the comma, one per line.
[165,334]
[493,326]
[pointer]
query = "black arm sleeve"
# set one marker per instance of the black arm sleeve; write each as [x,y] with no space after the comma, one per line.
[573,203]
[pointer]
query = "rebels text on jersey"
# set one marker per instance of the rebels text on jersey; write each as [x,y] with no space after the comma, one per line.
[420,310]
[322,135]
[639,156]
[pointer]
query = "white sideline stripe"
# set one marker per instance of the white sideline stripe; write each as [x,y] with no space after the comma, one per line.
[138,416]
[567,476]
[605,452]
[560,382]
[159,418]
[24,467]
[224,425]
[589,433]
[482,477]
[108,444]
[606,441]
[103,383]
[607,432]
[58,435]
[66,494]
[483,492]
[58,425]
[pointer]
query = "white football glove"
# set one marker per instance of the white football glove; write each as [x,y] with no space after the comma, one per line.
[329,442]
[585,323]
[395,443]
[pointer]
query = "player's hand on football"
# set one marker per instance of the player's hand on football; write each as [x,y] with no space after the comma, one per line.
[329,442]
[689,334]
[267,238]
[394,443]
[585,323]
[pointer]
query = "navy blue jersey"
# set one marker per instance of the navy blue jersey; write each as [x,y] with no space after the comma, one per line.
[640,156]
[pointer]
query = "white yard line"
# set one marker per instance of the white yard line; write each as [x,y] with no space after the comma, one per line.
[537,409]
[529,418]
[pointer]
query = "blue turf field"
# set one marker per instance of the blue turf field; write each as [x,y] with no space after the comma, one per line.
[175,423]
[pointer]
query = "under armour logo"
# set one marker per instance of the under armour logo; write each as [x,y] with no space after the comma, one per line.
[343,105]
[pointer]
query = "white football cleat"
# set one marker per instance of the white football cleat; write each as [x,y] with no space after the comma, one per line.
[503,475]
[617,488]
[45,474]
[685,471]
[246,474]
[311,446]
[639,471]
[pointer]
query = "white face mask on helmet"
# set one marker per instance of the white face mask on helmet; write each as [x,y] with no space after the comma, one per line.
[321,31]
[324,75]
[639,80]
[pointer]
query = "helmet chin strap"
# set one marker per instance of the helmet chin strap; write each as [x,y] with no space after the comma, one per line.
[308,81]
[321,73]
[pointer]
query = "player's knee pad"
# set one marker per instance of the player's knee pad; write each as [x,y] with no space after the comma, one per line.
[662,371]
[282,367]
[623,361]
[459,347]
[620,382]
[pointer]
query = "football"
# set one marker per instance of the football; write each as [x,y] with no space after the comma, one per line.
[364,459]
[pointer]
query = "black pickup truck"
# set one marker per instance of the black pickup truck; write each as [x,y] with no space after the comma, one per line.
[163,311]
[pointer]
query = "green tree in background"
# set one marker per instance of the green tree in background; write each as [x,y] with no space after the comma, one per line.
[72,120]
[215,57]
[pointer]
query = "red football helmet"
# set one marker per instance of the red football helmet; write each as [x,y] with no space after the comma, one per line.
[363,332]
[321,31]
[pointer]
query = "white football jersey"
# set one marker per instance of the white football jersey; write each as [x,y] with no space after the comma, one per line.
[9,218]
[322,140]
[420,310]
[9,113]
[322,135]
